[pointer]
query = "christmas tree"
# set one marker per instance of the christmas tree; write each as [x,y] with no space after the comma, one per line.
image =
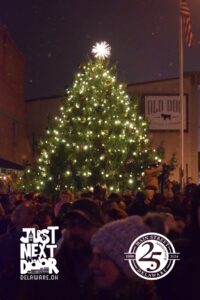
[99,137]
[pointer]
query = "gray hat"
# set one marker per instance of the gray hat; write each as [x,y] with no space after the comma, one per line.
[115,238]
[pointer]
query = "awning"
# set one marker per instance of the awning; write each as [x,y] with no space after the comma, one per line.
[6,164]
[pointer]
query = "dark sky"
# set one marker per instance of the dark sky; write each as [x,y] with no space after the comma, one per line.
[55,36]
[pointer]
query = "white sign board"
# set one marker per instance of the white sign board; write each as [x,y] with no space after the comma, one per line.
[163,112]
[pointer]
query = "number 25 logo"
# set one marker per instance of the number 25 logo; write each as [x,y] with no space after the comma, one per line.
[151,258]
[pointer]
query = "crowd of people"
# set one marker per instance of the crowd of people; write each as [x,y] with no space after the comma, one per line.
[95,230]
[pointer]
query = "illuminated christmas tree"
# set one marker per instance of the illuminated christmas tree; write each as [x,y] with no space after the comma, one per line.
[99,137]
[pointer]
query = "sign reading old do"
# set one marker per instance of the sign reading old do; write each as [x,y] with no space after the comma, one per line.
[163,112]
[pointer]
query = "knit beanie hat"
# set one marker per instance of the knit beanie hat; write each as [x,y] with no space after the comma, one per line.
[115,238]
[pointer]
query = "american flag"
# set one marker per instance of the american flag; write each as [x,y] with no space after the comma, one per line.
[186,15]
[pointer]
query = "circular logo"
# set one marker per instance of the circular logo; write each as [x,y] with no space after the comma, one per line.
[151,256]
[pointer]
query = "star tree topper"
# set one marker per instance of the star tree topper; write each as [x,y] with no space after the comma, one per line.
[101,50]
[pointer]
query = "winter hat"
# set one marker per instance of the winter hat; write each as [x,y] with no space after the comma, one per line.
[115,238]
[88,210]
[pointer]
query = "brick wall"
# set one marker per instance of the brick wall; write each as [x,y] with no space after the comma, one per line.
[14,145]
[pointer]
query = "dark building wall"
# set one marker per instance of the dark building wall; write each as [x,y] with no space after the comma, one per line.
[39,112]
[14,145]
[171,139]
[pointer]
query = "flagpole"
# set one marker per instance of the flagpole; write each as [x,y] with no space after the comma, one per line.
[181,91]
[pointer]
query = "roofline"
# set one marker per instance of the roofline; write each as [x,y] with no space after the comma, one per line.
[7,164]
[5,31]
[186,74]
[43,98]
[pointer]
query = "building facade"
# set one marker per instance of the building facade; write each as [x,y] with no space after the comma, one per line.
[39,112]
[14,143]
[160,104]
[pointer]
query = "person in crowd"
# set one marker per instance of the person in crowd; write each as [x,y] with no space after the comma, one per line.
[160,222]
[113,276]
[86,194]
[43,220]
[115,214]
[158,201]
[114,197]
[2,211]
[140,205]
[169,223]
[18,197]
[178,205]
[75,278]
[65,197]
[29,196]
[122,205]
[168,190]
[4,220]
[99,194]
[190,189]
[156,222]
[109,204]
[128,197]
[82,221]
[152,182]
[183,280]
[59,220]
[22,216]
[5,202]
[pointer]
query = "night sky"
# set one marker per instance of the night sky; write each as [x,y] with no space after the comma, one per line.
[55,36]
